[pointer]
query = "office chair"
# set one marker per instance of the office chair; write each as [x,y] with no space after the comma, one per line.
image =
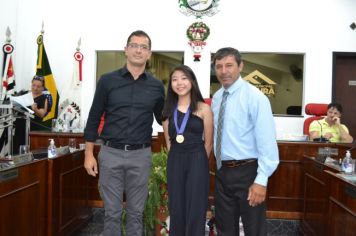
[208,101]
[317,112]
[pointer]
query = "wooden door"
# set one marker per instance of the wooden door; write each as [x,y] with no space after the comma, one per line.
[344,87]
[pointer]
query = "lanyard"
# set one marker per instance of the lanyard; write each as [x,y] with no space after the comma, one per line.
[180,130]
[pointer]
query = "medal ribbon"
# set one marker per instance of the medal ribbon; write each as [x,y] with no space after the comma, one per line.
[181,129]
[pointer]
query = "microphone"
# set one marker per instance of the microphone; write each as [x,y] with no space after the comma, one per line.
[321,139]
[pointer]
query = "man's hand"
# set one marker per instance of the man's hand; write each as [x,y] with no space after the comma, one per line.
[90,164]
[328,135]
[336,120]
[256,194]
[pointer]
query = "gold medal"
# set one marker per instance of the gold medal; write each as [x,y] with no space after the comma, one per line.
[180,138]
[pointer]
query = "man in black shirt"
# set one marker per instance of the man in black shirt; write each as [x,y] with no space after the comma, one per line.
[127,98]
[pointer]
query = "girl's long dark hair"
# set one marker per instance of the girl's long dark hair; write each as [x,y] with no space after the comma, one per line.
[172,98]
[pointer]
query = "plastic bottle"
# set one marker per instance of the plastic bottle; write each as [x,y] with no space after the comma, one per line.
[52,151]
[347,163]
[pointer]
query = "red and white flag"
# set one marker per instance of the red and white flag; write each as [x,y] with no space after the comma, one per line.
[8,76]
[77,72]
[70,106]
[7,87]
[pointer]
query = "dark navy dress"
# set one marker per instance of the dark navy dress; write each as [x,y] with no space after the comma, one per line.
[187,179]
[37,122]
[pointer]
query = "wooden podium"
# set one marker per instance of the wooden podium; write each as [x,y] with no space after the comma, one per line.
[23,199]
[285,190]
[45,197]
[40,140]
[329,200]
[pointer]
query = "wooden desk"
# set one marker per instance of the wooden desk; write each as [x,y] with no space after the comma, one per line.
[40,139]
[342,206]
[285,186]
[23,200]
[316,194]
[285,191]
[67,195]
[45,197]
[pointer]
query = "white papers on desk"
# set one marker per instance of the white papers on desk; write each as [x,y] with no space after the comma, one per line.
[24,100]
[329,160]
[293,137]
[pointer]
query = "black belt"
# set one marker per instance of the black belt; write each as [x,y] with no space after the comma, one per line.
[235,163]
[127,147]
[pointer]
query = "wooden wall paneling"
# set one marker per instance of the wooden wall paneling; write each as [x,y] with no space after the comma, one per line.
[285,191]
[342,206]
[40,140]
[68,185]
[285,195]
[316,192]
[158,142]
[23,200]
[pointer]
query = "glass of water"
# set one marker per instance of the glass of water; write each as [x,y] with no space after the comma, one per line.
[24,149]
[72,144]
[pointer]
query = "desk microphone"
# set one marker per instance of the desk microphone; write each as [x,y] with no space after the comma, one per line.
[321,139]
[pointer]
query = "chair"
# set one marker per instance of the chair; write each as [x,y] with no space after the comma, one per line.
[101,124]
[317,110]
[208,101]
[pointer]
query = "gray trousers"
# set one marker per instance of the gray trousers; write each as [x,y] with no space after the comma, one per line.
[124,171]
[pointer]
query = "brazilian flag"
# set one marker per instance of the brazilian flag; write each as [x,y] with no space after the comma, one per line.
[44,69]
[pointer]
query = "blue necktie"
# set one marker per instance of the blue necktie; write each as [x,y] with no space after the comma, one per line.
[219,129]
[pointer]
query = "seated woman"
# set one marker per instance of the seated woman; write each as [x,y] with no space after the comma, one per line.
[40,105]
[330,128]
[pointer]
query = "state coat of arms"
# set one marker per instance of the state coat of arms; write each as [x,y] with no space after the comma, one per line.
[198,8]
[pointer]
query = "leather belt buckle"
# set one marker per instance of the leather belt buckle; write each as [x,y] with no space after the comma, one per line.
[236,163]
[232,164]
[127,147]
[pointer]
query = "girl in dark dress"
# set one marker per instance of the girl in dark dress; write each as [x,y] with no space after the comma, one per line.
[40,105]
[188,130]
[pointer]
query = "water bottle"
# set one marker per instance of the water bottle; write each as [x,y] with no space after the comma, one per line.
[52,151]
[347,163]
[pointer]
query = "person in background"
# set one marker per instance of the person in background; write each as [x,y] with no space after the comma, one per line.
[128,97]
[330,128]
[245,147]
[40,105]
[188,131]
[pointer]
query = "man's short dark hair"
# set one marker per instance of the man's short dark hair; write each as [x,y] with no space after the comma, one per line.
[139,33]
[335,105]
[223,52]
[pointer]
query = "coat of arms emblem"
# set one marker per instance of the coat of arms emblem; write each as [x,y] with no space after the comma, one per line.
[198,8]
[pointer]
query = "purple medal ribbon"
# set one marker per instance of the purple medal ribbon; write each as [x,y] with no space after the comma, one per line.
[180,130]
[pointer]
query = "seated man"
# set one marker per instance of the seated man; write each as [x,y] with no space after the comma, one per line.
[330,128]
